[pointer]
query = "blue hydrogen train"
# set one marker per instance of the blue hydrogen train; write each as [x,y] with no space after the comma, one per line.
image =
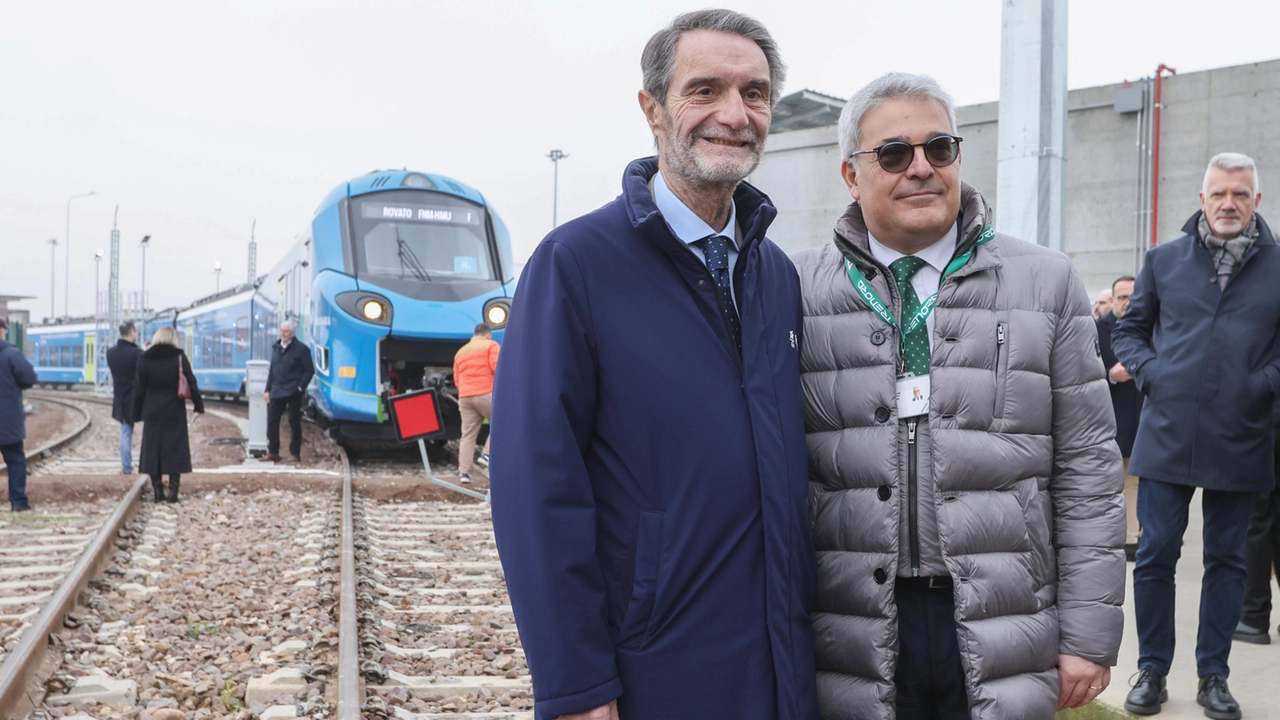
[386,284]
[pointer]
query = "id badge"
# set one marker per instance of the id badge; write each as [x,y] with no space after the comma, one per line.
[913,396]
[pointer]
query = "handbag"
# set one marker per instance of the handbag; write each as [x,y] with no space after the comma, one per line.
[184,388]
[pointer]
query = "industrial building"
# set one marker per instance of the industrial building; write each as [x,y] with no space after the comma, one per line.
[1112,183]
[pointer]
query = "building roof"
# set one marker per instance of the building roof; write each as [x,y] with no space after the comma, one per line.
[805,109]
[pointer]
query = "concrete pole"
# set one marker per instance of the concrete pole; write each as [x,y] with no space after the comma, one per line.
[556,156]
[1032,135]
[114,313]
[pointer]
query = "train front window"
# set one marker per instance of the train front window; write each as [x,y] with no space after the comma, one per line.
[421,236]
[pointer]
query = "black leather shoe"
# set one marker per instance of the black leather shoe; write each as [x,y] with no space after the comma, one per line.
[1250,634]
[1148,693]
[1216,699]
[20,507]
[173,490]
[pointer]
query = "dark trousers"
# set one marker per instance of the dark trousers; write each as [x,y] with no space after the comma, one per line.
[16,460]
[1162,511]
[276,408]
[1261,551]
[929,678]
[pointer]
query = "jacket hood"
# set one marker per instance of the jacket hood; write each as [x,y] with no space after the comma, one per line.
[851,228]
[755,210]
[161,352]
[1192,227]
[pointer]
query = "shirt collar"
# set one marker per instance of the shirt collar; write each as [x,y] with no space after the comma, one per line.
[685,223]
[937,255]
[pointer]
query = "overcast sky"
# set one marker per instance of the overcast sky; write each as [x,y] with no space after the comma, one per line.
[197,121]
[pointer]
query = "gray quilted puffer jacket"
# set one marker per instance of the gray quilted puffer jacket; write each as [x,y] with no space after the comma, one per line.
[1027,475]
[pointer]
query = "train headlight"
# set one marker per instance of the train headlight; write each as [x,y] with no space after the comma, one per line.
[497,311]
[497,315]
[373,310]
[366,306]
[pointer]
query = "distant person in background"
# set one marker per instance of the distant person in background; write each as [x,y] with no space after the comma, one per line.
[1102,305]
[291,371]
[1261,554]
[1127,402]
[1200,339]
[123,361]
[16,375]
[166,449]
[473,369]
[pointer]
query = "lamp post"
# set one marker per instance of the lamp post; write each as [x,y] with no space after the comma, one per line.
[66,279]
[97,283]
[556,156]
[146,240]
[217,277]
[53,277]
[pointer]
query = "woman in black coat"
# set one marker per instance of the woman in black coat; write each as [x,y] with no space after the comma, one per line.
[165,447]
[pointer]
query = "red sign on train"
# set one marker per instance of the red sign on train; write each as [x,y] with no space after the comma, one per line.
[416,415]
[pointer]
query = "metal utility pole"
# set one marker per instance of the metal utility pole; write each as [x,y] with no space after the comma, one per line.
[556,156]
[66,278]
[217,277]
[114,314]
[146,240]
[97,284]
[1032,134]
[253,253]
[53,277]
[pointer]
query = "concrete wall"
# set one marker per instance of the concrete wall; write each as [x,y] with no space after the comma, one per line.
[1235,108]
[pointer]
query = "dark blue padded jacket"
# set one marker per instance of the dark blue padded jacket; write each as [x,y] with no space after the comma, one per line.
[649,484]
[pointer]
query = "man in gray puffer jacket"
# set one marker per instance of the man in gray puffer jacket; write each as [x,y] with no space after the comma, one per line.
[965,481]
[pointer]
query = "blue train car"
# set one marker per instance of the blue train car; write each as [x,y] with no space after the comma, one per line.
[64,354]
[388,282]
[217,334]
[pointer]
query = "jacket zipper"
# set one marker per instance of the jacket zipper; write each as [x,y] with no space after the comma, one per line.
[1002,368]
[912,521]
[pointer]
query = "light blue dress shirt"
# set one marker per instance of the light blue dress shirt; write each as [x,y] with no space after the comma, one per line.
[689,228]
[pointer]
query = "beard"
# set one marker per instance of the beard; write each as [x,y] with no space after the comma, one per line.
[683,158]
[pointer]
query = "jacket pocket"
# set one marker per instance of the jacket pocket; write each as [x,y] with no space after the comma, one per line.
[635,621]
[1002,366]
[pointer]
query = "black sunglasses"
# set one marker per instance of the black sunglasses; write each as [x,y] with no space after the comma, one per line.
[896,156]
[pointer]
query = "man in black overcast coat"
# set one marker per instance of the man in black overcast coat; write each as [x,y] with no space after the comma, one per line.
[287,380]
[1127,402]
[123,361]
[16,375]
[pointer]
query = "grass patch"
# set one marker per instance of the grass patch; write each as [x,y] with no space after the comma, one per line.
[196,630]
[1093,711]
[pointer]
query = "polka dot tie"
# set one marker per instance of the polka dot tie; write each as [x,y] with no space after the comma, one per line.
[716,250]
[915,347]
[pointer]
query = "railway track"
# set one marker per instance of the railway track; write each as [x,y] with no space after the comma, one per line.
[58,443]
[396,610]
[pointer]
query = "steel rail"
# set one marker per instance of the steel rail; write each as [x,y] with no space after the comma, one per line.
[350,692]
[57,443]
[21,675]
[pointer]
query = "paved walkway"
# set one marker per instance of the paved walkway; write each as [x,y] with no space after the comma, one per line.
[1255,669]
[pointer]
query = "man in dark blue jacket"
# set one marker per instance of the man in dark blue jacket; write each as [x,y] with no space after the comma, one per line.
[16,375]
[287,380]
[1200,338]
[123,361]
[649,468]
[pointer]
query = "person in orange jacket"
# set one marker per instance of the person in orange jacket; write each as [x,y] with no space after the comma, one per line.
[473,369]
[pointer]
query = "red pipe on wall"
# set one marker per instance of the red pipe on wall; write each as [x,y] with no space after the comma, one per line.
[1155,154]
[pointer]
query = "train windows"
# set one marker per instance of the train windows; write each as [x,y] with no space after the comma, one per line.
[64,355]
[228,345]
[42,351]
[77,356]
[422,236]
[206,354]
[242,334]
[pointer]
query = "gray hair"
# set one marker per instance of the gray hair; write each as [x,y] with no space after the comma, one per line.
[1231,161]
[288,324]
[887,87]
[658,61]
